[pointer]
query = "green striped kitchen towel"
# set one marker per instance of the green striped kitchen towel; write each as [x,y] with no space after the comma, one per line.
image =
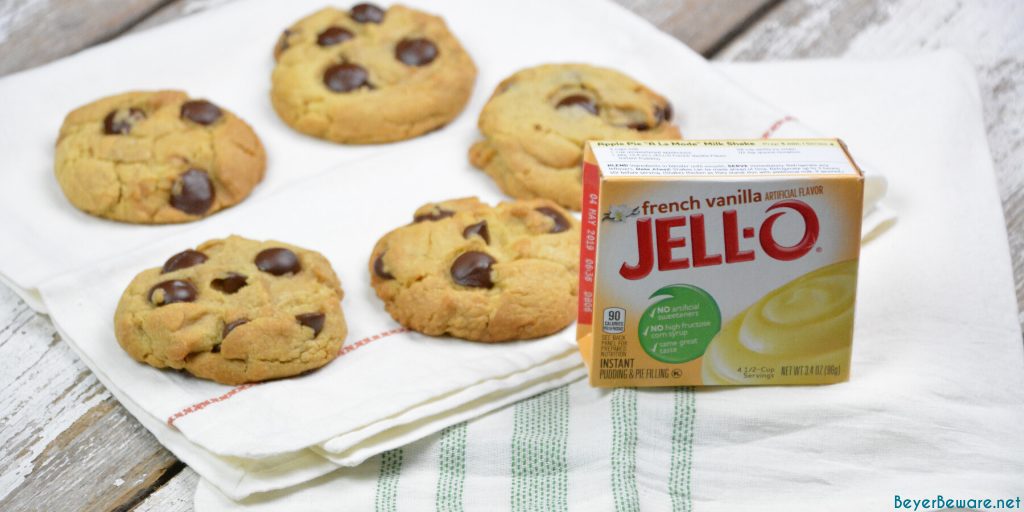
[574,444]
[933,407]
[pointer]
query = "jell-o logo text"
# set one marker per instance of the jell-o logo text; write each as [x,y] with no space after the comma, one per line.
[657,245]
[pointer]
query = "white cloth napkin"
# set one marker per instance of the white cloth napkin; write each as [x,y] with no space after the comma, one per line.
[389,388]
[934,405]
[224,55]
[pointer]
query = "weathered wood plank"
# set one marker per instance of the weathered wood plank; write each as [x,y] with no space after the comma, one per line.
[703,25]
[65,443]
[175,9]
[175,496]
[986,32]
[33,32]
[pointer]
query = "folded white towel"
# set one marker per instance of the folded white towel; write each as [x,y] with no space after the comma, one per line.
[933,407]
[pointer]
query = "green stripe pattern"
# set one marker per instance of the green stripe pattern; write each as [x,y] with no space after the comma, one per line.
[540,470]
[624,440]
[386,499]
[451,471]
[680,475]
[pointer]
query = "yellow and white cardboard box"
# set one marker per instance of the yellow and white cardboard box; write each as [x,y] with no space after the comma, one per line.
[718,262]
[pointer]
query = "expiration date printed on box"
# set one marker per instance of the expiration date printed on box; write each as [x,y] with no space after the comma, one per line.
[697,158]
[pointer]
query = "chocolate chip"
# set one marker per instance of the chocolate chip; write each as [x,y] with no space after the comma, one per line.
[663,113]
[367,13]
[282,42]
[504,86]
[640,127]
[278,261]
[561,223]
[184,259]
[416,52]
[346,77]
[173,291]
[314,321]
[229,284]
[228,327]
[193,192]
[333,35]
[378,268]
[579,100]
[120,121]
[473,269]
[432,216]
[479,229]
[201,111]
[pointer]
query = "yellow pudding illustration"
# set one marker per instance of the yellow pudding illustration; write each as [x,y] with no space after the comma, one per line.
[797,333]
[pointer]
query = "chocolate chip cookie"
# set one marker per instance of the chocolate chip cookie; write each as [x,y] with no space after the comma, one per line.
[481,273]
[156,157]
[537,120]
[234,311]
[370,75]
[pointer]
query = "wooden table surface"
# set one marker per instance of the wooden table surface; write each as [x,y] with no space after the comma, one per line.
[66,444]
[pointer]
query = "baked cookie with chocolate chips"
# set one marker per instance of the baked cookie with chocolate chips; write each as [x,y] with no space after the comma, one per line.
[156,157]
[234,311]
[481,273]
[370,75]
[536,122]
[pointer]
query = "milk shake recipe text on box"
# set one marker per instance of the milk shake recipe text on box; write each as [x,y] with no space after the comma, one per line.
[719,262]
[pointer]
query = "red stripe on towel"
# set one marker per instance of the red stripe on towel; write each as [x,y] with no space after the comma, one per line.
[210,401]
[775,126]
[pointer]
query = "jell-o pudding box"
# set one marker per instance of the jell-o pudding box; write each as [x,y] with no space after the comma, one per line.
[718,262]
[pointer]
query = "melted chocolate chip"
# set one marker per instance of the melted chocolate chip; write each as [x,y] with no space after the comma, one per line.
[201,111]
[282,42]
[173,291]
[504,86]
[333,35]
[579,100]
[416,52]
[228,327]
[367,13]
[479,229]
[120,121]
[432,216]
[184,259]
[193,192]
[663,113]
[561,223]
[346,77]
[314,321]
[640,127]
[378,268]
[230,283]
[473,269]
[278,261]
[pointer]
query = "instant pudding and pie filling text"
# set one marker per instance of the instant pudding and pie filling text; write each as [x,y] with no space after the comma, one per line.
[718,262]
